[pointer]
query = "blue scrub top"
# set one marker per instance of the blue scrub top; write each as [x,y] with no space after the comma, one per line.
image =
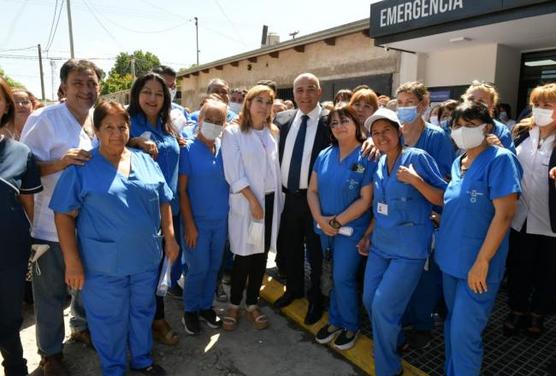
[468,211]
[119,218]
[340,183]
[435,141]
[406,230]
[504,135]
[206,186]
[168,152]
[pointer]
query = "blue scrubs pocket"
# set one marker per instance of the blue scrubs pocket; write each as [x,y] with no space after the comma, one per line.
[478,211]
[99,256]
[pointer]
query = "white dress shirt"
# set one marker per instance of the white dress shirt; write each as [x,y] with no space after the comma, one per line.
[533,202]
[50,132]
[312,124]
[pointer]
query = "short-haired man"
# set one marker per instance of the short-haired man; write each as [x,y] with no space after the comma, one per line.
[222,89]
[59,136]
[303,134]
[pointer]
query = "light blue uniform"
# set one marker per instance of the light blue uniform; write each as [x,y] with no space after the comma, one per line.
[468,212]
[120,247]
[435,141]
[168,161]
[504,135]
[339,185]
[400,244]
[208,194]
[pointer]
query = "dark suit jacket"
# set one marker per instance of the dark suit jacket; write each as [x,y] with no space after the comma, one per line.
[284,121]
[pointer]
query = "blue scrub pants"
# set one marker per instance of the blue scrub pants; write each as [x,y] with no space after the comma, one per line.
[465,321]
[203,263]
[389,283]
[344,300]
[425,299]
[120,312]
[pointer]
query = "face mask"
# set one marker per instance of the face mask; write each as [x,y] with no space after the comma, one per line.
[235,107]
[407,114]
[434,120]
[468,138]
[445,123]
[503,117]
[173,93]
[542,116]
[211,131]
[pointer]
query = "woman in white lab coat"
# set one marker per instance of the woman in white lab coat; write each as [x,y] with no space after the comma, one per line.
[251,167]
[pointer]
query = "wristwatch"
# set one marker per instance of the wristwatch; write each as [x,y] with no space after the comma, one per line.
[335,224]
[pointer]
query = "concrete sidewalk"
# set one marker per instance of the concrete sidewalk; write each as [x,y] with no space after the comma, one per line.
[282,349]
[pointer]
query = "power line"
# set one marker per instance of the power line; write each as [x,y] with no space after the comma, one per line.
[14,21]
[47,49]
[52,24]
[230,21]
[19,49]
[101,24]
[30,57]
[143,31]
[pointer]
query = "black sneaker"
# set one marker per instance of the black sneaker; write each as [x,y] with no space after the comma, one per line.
[346,339]
[153,369]
[326,334]
[211,318]
[190,321]
[175,292]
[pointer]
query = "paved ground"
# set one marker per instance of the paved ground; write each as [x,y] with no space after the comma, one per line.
[282,349]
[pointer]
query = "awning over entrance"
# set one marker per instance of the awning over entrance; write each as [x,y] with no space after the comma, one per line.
[430,25]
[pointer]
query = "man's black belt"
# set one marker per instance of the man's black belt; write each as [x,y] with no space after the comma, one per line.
[299,192]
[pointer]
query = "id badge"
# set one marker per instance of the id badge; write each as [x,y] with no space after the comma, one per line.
[382,208]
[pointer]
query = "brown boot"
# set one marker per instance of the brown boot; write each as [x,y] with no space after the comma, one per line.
[53,365]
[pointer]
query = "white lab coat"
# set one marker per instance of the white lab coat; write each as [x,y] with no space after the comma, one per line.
[245,165]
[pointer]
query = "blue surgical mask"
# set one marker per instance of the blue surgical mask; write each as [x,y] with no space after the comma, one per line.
[445,124]
[407,114]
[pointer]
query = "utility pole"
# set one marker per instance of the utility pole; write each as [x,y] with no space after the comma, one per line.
[133,68]
[54,88]
[42,73]
[70,28]
[197,37]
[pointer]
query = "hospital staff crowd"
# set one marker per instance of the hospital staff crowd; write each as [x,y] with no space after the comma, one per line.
[422,209]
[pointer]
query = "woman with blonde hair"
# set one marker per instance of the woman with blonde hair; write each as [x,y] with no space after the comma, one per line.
[486,94]
[251,167]
[531,259]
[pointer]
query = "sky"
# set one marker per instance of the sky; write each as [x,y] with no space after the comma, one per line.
[104,28]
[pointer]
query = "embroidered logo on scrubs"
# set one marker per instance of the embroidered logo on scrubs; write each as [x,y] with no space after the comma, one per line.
[358,167]
[353,184]
[474,194]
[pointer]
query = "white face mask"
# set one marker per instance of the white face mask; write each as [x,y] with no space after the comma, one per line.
[211,131]
[542,116]
[434,120]
[468,138]
[235,107]
[173,93]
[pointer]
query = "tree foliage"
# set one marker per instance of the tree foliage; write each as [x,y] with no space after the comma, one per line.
[120,76]
[11,82]
[114,82]
[144,62]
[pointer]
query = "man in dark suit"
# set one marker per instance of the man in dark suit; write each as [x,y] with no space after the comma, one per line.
[303,134]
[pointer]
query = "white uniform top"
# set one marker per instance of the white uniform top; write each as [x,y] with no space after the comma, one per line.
[245,163]
[50,132]
[533,203]
[312,125]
